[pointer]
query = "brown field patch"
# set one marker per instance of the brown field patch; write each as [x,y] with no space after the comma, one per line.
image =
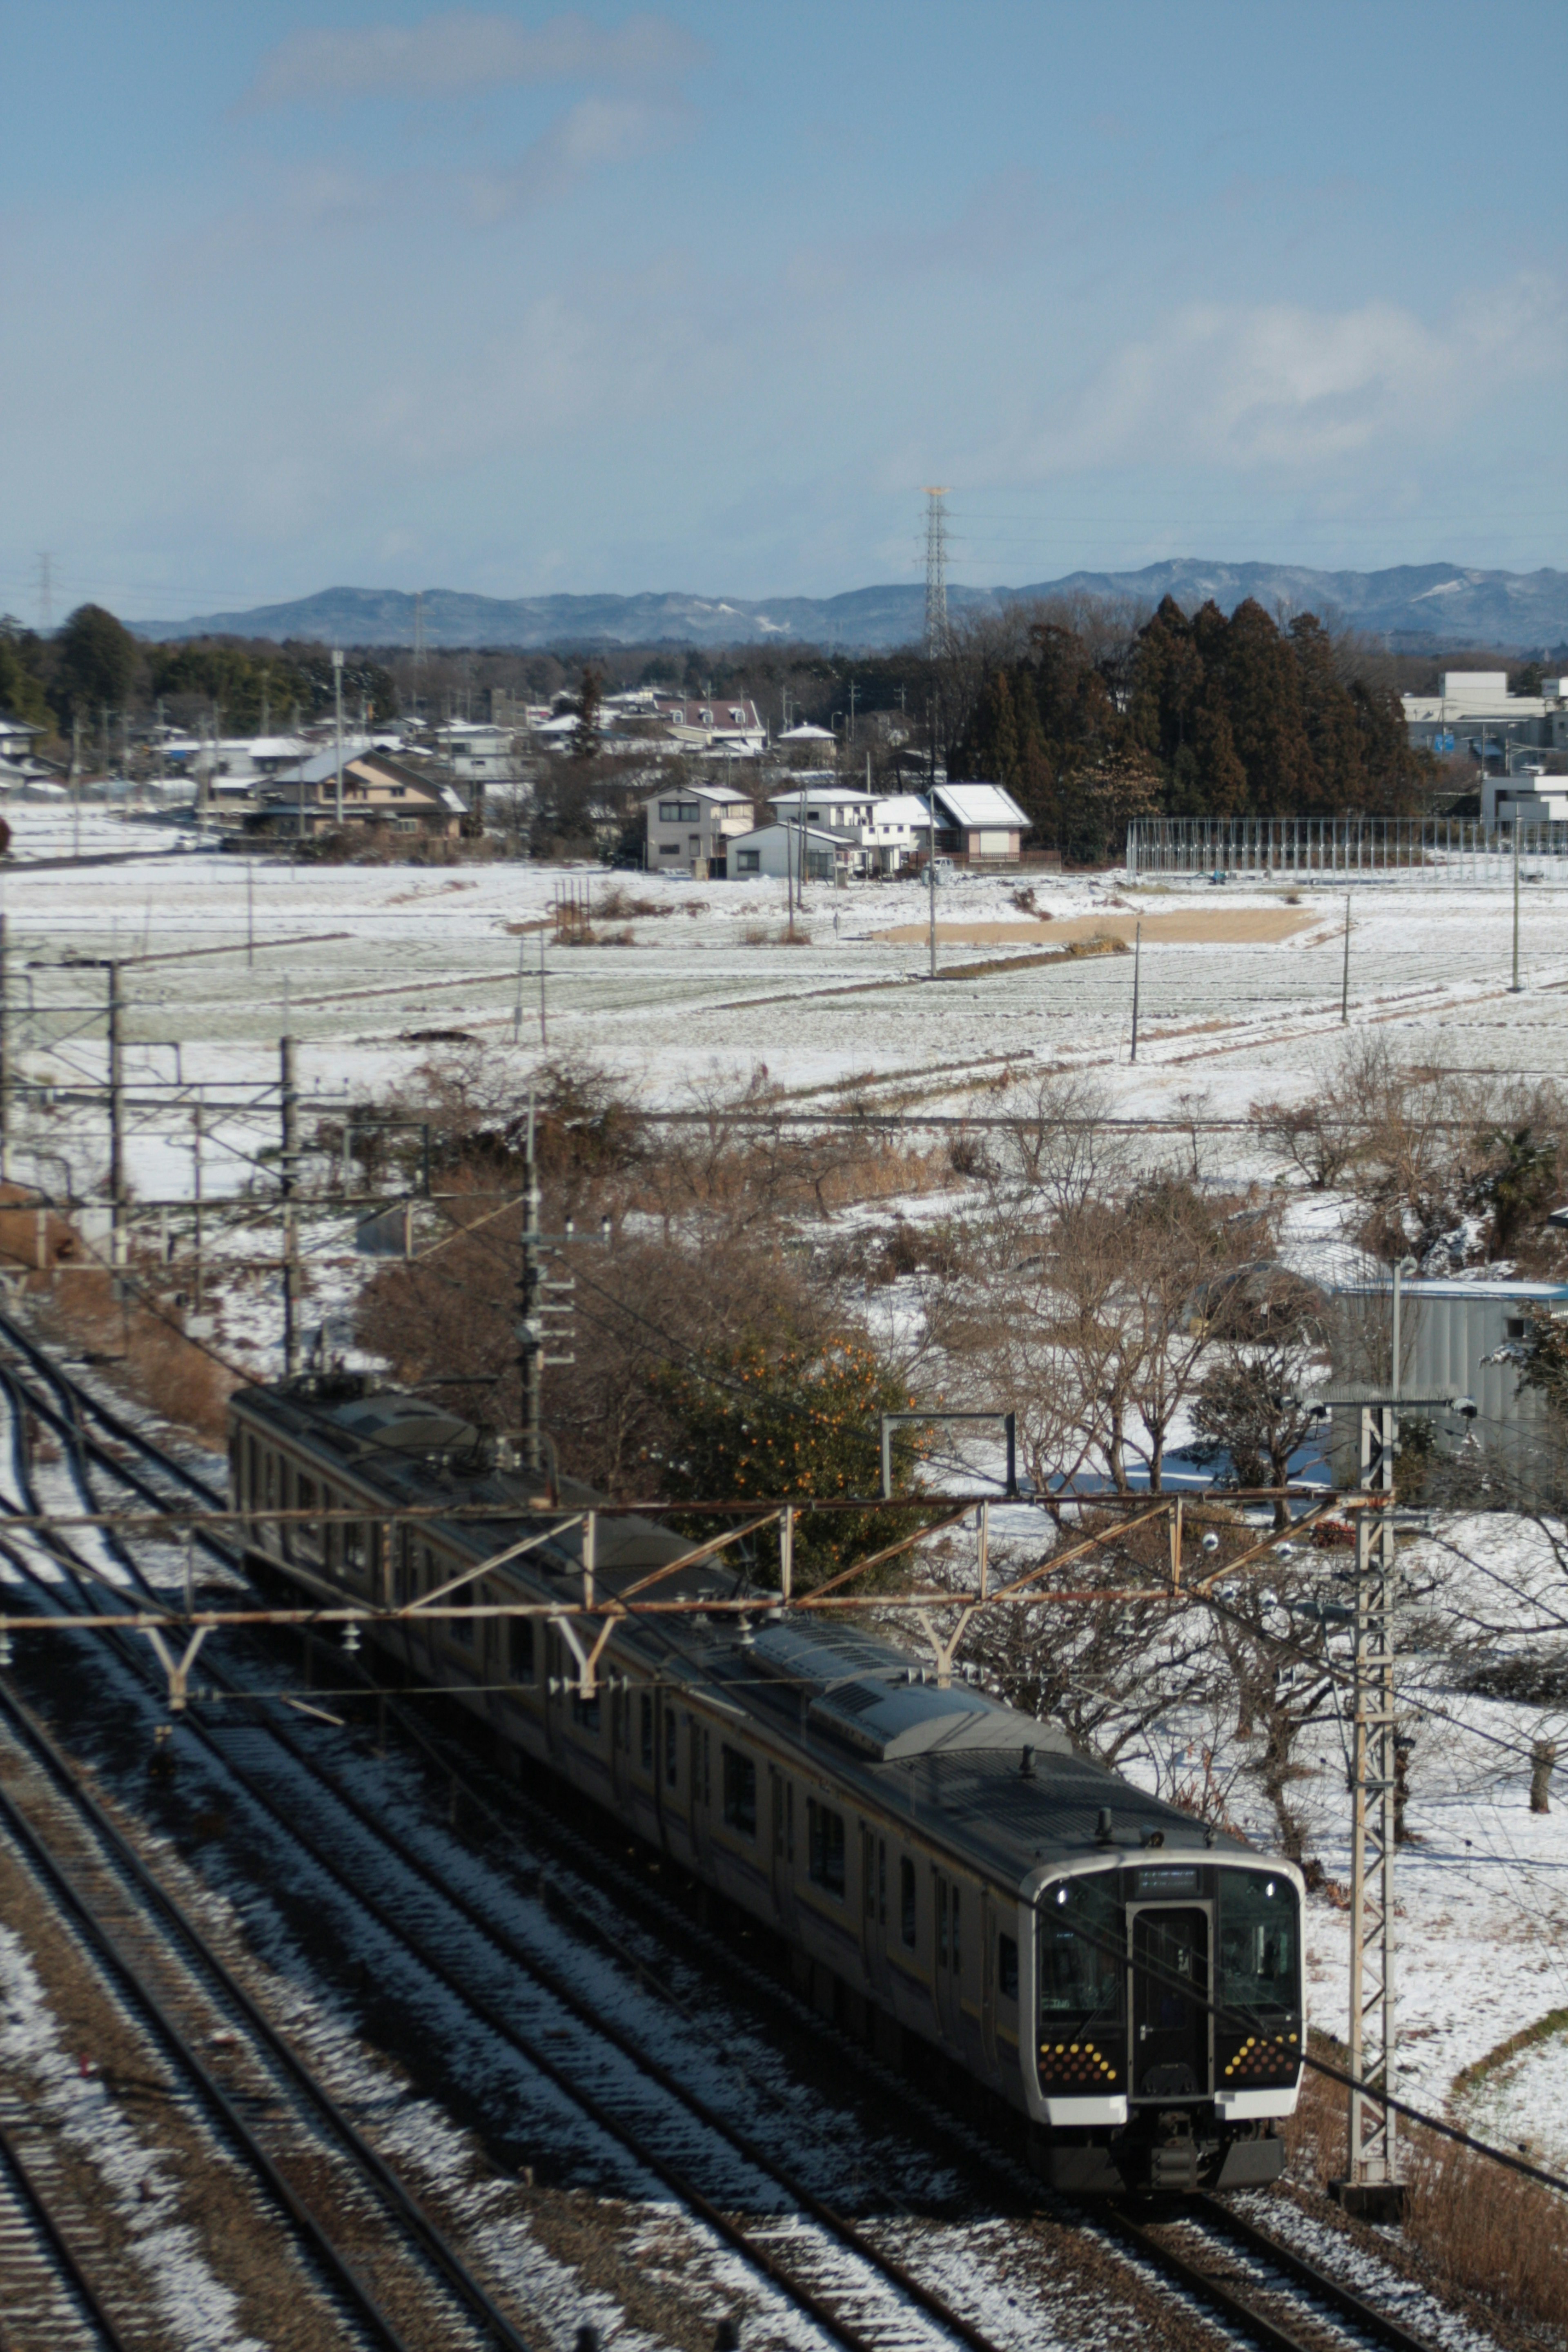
[1197,927]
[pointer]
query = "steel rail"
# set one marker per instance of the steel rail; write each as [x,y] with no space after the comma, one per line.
[741,2239]
[68,2261]
[1346,2304]
[52,1872]
[406,2209]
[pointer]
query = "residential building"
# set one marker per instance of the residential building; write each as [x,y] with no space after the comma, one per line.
[378,790]
[789,850]
[475,753]
[711,723]
[1531,798]
[808,747]
[980,824]
[691,827]
[17,736]
[900,831]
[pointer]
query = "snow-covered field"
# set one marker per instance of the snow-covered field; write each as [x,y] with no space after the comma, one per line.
[360,960]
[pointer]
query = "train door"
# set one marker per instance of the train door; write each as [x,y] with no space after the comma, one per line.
[874,1907]
[781,1831]
[1170,1997]
[947,1951]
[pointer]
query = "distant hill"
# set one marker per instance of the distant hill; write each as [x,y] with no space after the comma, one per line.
[1413,605]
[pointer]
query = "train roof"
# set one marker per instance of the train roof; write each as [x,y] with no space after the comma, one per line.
[970,1772]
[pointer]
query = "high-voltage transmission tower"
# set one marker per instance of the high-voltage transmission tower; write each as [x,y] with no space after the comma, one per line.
[936,573]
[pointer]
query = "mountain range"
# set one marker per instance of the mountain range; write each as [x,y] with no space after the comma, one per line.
[1414,606]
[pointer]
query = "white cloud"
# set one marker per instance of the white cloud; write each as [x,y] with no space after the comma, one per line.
[597,132]
[461,50]
[1276,384]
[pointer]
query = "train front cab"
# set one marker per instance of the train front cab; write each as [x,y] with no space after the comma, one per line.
[1133,2083]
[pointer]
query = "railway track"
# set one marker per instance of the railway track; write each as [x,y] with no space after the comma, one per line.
[49,2295]
[831,2268]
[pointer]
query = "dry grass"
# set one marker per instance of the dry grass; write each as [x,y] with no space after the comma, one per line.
[178,1379]
[1484,2232]
[767,934]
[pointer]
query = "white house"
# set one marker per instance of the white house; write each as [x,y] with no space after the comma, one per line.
[16,736]
[981,823]
[808,747]
[791,850]
[1532,798]
[690,828]
[476,753]
[899,830]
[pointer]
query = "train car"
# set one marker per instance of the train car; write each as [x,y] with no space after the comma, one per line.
[945,1871]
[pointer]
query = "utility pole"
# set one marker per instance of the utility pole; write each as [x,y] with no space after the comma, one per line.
[196,1123]
[1137,965]
[530,1318]
[337,701]
[544,1035]
[290,1174]
[930,869]
[1515,991]
[75,783]
[1371,2187]
[1345,982]
[116,1122]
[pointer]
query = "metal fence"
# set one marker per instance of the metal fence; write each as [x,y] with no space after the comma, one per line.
[1340,849]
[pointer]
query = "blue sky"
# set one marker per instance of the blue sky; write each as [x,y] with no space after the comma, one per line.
[700,297]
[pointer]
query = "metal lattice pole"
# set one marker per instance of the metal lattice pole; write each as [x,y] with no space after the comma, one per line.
[1372,2170]
[936,573]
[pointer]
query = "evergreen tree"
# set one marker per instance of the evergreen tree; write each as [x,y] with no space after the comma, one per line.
[21,688]
[95,664]
[1263,703]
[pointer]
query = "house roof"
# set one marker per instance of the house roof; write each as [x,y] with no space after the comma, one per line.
[980,804]
[805,733]
[723,793]
[900,808]
[796,832]
[11,725]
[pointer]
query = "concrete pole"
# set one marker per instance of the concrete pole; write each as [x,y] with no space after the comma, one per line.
[337,701]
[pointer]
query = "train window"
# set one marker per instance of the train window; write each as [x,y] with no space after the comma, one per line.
[908,1922]
[270,1479]
[957,1915]
[1007,1968]
[354,1548]
[329,1534]
[646,1731]
[585,1711]
[1256,1940]
[405,1581]
[671,1752]
[881,1883]
[740,1791]
[1081,1929]
[305,1500]
[520,1649]
[824,1847]
[941,1923]
[868,1872]
[460,1629]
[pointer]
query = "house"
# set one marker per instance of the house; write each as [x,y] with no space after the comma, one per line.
[16,737]
[378,791]
[785,851]
[981,824]
[1532,798]
[832,809]
[713,722]
[477,754]
[691,827]
[899,831]
[808,747]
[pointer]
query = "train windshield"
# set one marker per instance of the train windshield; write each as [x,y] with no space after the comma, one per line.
[1259,1943]
[1083,1970]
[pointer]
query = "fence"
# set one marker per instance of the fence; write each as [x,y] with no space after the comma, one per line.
[1341,849]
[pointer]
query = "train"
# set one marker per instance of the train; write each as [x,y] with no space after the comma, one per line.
[950,1878]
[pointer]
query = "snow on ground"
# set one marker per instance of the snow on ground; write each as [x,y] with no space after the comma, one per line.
[363,962]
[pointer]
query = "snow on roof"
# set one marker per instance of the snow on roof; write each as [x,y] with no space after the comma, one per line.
[725,793]
[900,808]
[806,734]
[981,805]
